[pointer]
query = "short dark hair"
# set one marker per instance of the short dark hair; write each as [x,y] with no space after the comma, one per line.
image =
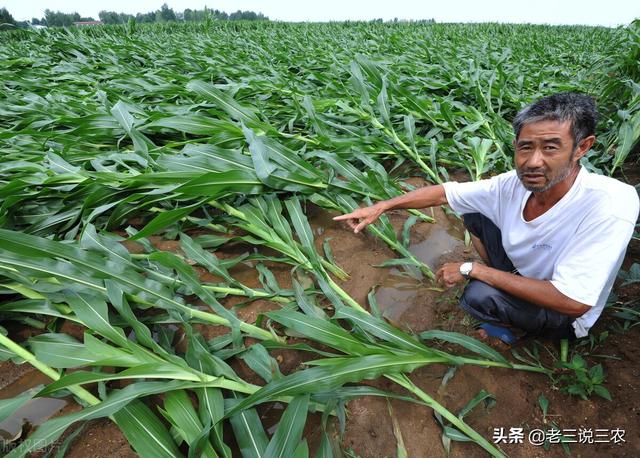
[578,108]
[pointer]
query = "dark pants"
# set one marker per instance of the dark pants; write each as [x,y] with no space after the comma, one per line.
[489,304]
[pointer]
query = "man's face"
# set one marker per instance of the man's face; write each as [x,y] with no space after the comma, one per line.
[544,154]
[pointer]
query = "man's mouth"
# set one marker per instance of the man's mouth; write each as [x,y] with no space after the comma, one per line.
[533,175]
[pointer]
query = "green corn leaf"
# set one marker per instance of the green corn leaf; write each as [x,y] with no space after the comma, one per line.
[248,431]
[406,228]
[197,253]
[60,350]
[480,397]
[223,101]
[544,405]
[197,125]
[349,393]
[93,313]
[200,358]
[144,431]
[332,376]
[261,362]
[383,104]
[357,81]
[142,332]
[302,450]
[202,158]
[141,143]
[165,219]
[301,225]
[150,371]
[35,306]
[179,411]
[325,449]
[281,168]
[108,244]
[467,342]
[217,184]
[384,331]
[306,302]
[267,279]
[373,302]
[410,130]
[287,437]
[189,277]
[211,410]
[320,330]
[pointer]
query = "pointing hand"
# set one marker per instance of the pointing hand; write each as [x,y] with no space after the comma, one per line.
[360,218]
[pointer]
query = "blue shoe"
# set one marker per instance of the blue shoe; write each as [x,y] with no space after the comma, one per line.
[501,333]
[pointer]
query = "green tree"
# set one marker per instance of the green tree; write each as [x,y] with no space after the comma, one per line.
[146,17]
[60,19]
[109,17]
[165,14]
[247,16]
[6,18]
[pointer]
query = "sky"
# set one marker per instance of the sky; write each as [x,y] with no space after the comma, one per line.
[590,12]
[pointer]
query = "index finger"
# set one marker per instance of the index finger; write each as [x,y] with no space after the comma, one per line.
[345,216]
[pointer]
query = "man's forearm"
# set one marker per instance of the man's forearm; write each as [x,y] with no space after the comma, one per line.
[428,196]
[538,292]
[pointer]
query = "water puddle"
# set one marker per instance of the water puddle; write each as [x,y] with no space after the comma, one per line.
[440,243]
[398,294]
[34,412]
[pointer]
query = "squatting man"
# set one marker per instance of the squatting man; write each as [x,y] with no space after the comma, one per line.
[551,235]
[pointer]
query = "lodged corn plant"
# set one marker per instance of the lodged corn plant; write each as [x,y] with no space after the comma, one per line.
[219,137]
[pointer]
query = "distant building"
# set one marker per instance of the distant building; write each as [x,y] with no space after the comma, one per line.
[86,23]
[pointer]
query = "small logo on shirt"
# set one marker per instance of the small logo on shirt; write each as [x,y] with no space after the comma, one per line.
[541,246]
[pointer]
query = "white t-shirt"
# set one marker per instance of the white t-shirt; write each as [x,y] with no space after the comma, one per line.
[578,244]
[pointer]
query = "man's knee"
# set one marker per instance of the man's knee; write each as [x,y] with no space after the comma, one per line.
[481,298]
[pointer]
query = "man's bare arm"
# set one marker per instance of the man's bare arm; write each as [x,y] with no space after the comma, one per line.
[428,196]
[539,292]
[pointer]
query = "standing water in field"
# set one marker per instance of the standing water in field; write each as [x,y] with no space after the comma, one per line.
[401,299]
[33,412]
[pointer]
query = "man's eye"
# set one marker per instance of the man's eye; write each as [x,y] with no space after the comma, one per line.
[550,148]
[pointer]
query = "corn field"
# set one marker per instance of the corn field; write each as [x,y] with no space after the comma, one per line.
[220,135]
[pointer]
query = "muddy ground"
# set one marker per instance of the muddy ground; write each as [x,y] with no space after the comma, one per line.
[412,305]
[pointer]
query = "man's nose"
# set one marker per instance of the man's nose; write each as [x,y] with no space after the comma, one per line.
[535,159]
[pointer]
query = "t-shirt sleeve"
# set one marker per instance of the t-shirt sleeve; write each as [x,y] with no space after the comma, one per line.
[481,196]
[587,263]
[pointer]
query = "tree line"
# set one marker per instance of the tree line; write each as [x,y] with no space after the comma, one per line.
[164,14]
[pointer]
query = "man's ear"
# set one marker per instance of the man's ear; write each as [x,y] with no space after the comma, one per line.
[584,146]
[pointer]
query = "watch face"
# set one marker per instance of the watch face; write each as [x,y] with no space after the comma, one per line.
[465,269]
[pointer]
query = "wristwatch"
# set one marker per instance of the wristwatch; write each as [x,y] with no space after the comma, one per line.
[465,269]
